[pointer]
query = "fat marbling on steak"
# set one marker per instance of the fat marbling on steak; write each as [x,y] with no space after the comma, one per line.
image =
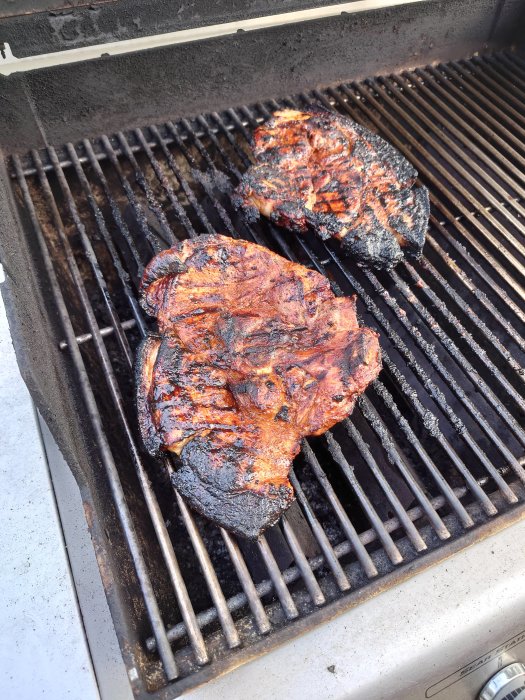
[316,169]
[253,353]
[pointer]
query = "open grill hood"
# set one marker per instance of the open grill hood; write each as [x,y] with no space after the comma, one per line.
[433,457]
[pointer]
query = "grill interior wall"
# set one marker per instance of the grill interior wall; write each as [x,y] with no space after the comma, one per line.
[436,447]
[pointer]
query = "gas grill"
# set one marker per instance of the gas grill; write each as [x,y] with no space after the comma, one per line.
[433,457]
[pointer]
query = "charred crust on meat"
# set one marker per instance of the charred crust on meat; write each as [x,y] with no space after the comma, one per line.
[245,513]
[315,169]
[146,355]
[282,414]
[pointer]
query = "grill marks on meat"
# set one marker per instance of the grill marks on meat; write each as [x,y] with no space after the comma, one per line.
[317,169]
[253,353]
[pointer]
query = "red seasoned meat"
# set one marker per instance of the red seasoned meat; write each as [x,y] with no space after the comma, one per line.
[253,353]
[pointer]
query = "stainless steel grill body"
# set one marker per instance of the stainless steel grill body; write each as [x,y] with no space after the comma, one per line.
[433,457]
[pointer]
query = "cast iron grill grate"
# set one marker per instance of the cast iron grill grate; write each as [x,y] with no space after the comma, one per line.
[434,454]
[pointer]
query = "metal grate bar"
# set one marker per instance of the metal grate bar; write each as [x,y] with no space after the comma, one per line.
[292,574]
[499,70]
[320,536]
[520,268]
[490,88]
[437,185]
[88,249]
[139,212]
[480,296]
[436,393]
[417,80]
[395,456]
[401,513]
[104,332]
[346,523]
[515,62]
[460,358]
[460,154]
[181,214]
[278,581]
[228,626]
[166,230]
[180,178]
[261,618]
[124,277]
[488,334]
[224,217]
[371,513]
[115,211]
[446,154]
[435,200]
[183,599]
[443,485]
[472,96]
[429,419]
[457,355]
[150,601]
[434,83]
[311,583]
[485,151]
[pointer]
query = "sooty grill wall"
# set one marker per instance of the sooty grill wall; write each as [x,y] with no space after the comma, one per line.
[72,102]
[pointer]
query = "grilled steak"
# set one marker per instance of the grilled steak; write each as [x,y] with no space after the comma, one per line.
[317,169]
[253,353]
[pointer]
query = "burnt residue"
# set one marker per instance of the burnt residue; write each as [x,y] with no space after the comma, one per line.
[244,513]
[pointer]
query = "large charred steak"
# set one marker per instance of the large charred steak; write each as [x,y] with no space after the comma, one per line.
[253,353]
[316,169]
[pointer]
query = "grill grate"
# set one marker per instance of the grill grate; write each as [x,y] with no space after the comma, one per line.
[436,447]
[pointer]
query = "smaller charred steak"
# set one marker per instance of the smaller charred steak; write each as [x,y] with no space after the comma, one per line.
[316,169]
[253,353]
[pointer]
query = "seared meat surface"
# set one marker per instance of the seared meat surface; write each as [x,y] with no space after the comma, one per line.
[317,169]
[253,353]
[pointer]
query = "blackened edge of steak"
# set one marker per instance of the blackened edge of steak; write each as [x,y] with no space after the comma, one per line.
[244,512]
[414,236]
[376,246]
[145,359]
